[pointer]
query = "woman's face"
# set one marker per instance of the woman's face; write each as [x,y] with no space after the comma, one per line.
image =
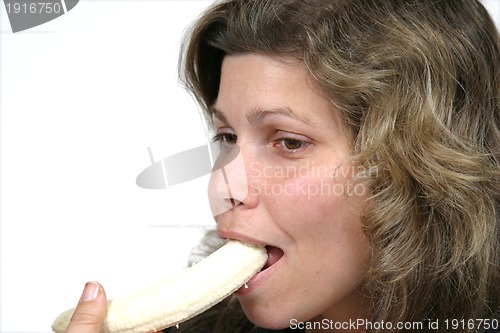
[289,189]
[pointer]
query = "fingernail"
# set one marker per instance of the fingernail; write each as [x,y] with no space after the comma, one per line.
[90,292]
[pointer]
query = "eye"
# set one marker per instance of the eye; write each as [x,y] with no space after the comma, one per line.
[291,145]
[226,138]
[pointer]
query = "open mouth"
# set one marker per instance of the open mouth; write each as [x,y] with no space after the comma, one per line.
[273,255]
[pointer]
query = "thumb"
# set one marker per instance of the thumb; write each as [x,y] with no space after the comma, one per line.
[90,311]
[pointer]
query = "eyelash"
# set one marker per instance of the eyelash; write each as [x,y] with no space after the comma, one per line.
[223,138]
[230,138]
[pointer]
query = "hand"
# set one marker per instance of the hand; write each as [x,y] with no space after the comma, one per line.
[90,311]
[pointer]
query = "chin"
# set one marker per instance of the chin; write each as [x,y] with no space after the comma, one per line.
[264,317]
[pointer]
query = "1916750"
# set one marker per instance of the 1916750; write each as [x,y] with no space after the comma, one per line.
[33,8]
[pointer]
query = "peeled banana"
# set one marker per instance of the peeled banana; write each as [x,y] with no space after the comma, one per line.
[183,296]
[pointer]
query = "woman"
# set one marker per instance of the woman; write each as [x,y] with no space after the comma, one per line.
[370,136]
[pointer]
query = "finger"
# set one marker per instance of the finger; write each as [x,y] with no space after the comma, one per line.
[90,311]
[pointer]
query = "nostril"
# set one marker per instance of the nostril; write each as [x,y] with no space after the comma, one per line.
[233,202]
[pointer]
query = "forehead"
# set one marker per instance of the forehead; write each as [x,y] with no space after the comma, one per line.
[264,81]
[253,86]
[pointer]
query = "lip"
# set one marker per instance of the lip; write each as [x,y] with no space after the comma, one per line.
[240,237]
[258,279]
[261,276]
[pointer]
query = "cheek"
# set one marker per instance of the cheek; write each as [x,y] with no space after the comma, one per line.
[325,221]
[320,211]
[293,189]
[303,193]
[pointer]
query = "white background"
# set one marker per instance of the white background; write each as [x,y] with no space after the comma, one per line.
[81,99]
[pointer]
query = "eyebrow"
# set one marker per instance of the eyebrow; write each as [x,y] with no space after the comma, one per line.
[218,114]
[257,115]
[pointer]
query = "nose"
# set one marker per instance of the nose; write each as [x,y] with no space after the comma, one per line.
[229,182]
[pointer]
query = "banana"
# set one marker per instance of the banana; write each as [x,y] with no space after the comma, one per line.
[183,296]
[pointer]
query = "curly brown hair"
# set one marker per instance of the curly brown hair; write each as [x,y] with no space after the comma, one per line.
[418,85]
